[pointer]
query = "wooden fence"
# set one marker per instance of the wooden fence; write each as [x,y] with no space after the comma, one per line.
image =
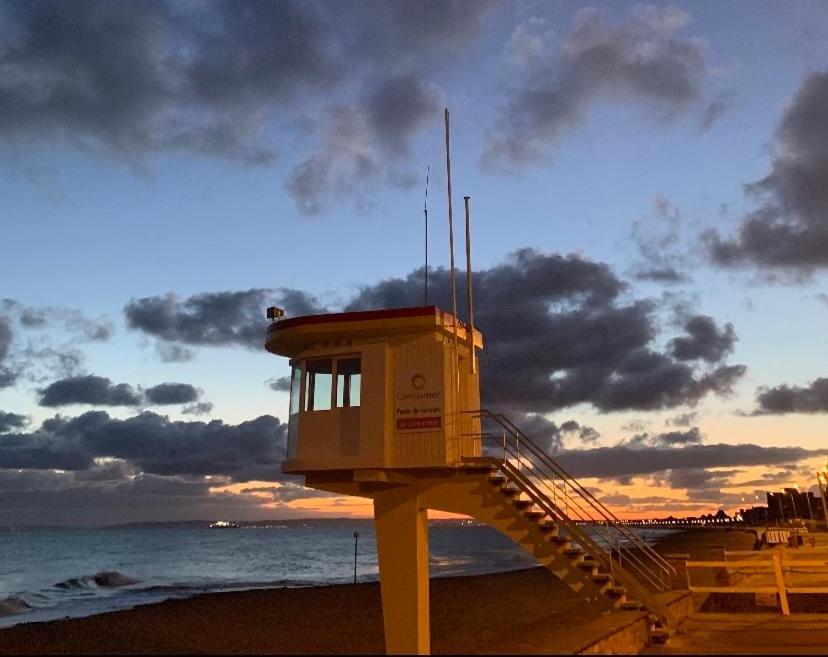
[777,563]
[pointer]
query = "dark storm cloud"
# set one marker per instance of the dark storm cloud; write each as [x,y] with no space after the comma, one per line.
[558,334]
[704,340]
[215,318]
[89,389]
[101,391]
[150,76]
[789,227]
[153,444]
[210,78]
[9,421]
[812,398]
[643,59]
[172,393]
[622,460]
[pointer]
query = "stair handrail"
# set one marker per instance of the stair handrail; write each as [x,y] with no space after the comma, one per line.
[665,569]
[602,554]
[607,515]
[626,579]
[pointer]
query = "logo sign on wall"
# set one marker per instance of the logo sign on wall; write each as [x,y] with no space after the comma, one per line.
[418,400]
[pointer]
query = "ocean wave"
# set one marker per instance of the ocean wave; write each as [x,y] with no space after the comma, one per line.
[13,605]
[103,579]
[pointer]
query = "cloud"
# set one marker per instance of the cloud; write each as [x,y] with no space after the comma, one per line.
[172,393]
[210,80]
[704,340]
[9,421]
[715,109]
[82,328]
[101,391]
[789,227]
[8,376]
[364,145]
[89,389]
[153,444]
[666,439]
[173,353]
[782,399]
[623,460]
[199,408]
[682,419]
[287,492]
[155,76]
[279,384]
[644,59]
[215,318]
[576,340]
[656,236]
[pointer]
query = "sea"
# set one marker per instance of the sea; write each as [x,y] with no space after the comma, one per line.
[53,573]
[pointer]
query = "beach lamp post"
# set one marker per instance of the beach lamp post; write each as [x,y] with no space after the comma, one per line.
[356,544]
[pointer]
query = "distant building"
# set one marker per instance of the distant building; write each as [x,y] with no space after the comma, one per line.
[791,504]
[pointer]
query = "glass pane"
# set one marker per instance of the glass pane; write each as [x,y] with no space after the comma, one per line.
[348,379]
[318,384]
[295,388]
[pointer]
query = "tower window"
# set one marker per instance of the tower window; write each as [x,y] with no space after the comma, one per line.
[318,384]
[348,382]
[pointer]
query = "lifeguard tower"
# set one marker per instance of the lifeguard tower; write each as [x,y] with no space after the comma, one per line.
[385,404]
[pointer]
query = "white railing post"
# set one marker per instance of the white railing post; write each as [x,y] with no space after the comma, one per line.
[780,584]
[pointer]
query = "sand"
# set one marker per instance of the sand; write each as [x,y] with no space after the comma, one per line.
[477,614]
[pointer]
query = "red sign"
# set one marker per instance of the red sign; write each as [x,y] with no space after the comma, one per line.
[408,423]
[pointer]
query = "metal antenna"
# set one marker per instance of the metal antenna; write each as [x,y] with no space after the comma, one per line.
[425,212]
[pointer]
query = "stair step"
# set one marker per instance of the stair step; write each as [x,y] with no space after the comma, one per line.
[588,564]
[631,605]
[548,528]
[659,635]
[618,591]
[524,504]
[573,551]
[509,491]
[497,480]
[602,577]
[535,514]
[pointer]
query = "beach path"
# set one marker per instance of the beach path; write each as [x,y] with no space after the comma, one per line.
[755,634]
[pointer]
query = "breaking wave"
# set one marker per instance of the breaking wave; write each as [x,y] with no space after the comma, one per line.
[104,579]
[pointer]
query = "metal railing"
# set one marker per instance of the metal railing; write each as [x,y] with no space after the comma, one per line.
[571,505]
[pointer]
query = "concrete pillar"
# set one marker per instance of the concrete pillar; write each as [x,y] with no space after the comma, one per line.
[401,525]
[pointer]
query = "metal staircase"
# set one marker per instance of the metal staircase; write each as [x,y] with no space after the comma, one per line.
[581,541]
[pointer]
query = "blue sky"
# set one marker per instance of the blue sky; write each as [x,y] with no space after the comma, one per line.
[91,219]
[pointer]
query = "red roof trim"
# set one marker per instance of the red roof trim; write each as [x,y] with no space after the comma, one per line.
[359,316]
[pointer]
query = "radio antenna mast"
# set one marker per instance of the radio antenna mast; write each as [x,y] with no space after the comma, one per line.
[425,212]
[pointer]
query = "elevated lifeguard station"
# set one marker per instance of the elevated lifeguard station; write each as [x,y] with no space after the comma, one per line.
[385,404]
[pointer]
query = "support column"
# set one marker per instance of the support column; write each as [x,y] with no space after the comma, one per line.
[401,525]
